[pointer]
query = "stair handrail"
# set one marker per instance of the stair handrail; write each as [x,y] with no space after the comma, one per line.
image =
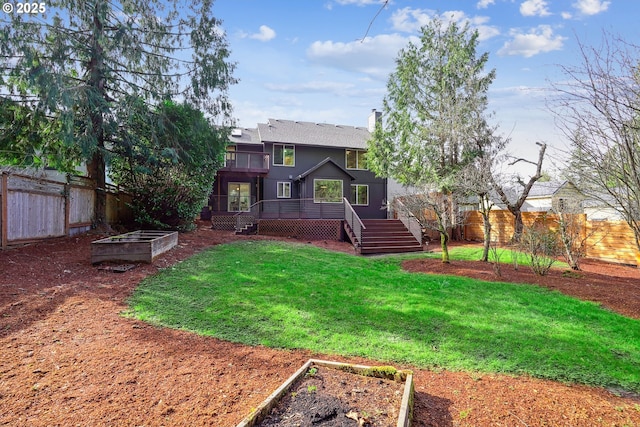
[251,213]
[354,222]
[409,220]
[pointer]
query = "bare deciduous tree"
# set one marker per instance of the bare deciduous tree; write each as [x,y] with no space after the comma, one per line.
[598,108]
[435,211]
[515,206]
[475,182]
[572,233]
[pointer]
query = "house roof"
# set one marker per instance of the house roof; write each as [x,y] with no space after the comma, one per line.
[322,163]
[316,134]
[545,189]
[245,136]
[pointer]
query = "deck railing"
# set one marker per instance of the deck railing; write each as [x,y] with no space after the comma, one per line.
[408,219]
[220,204]
[246,161]
[289,209]
[354,222]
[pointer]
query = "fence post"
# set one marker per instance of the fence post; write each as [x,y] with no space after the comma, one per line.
[4,211]
[67,206]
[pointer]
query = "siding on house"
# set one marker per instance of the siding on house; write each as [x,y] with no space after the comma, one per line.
[313,143]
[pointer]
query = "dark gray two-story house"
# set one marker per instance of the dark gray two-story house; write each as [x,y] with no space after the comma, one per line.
[299,178]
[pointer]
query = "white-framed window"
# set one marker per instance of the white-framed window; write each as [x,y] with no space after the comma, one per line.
[239,199]
[356,159]
[284,190]
[284,155]
[360,195]
[327,190]
[230,157]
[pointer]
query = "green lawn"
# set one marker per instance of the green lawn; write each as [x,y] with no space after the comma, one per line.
[298,296]
[505,256]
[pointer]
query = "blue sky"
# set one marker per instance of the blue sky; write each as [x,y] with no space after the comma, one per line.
[309,60]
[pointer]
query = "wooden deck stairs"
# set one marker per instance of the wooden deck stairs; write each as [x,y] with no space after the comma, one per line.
[386,236]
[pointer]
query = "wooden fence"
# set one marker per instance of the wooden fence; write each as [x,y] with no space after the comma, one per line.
[611,241]
[35,208]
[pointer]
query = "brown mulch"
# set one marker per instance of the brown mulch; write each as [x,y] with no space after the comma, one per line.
[68,356]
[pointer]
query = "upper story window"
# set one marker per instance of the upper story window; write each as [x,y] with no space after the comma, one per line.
[356,159]
[231,152]
[284,155]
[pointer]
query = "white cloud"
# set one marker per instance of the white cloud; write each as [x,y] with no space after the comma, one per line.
[329,5]
[534,8]
[340,89]
[411,20]
[537,40]
[313,86]
[591,7]
[566,15]
[373,56]
[485,32]
[264,35]
[483,4]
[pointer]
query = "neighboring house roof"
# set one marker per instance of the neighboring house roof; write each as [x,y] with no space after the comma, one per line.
[546,188]
[245,136]
[316,134]
[303,175]
[539,190]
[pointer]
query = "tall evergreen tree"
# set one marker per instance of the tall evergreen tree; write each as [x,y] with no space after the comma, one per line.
[79,62]
[434,116]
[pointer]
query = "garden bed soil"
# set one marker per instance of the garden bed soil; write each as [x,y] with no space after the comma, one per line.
[68,357]
[341,395]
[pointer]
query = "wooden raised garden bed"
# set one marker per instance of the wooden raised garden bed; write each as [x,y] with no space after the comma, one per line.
[325,393]
[141,245]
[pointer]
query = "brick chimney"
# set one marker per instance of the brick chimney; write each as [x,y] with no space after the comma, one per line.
[374,117]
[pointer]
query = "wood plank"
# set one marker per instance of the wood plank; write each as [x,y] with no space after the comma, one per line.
[140,245]
[4,228]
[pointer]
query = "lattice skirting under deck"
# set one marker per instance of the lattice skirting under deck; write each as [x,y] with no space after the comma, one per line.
[307,229]
[223,222]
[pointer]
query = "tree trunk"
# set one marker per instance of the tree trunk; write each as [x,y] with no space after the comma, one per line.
[487,237]
[97,81]
[444,242]
[518,225]
[96,169]
[568,238]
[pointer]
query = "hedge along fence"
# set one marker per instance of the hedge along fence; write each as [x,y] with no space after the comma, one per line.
[611,241]
[34,208]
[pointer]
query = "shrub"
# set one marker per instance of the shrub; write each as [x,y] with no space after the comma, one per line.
[168,164]
[540,244]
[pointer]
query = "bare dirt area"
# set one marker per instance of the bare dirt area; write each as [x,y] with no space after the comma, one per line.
[68,357]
